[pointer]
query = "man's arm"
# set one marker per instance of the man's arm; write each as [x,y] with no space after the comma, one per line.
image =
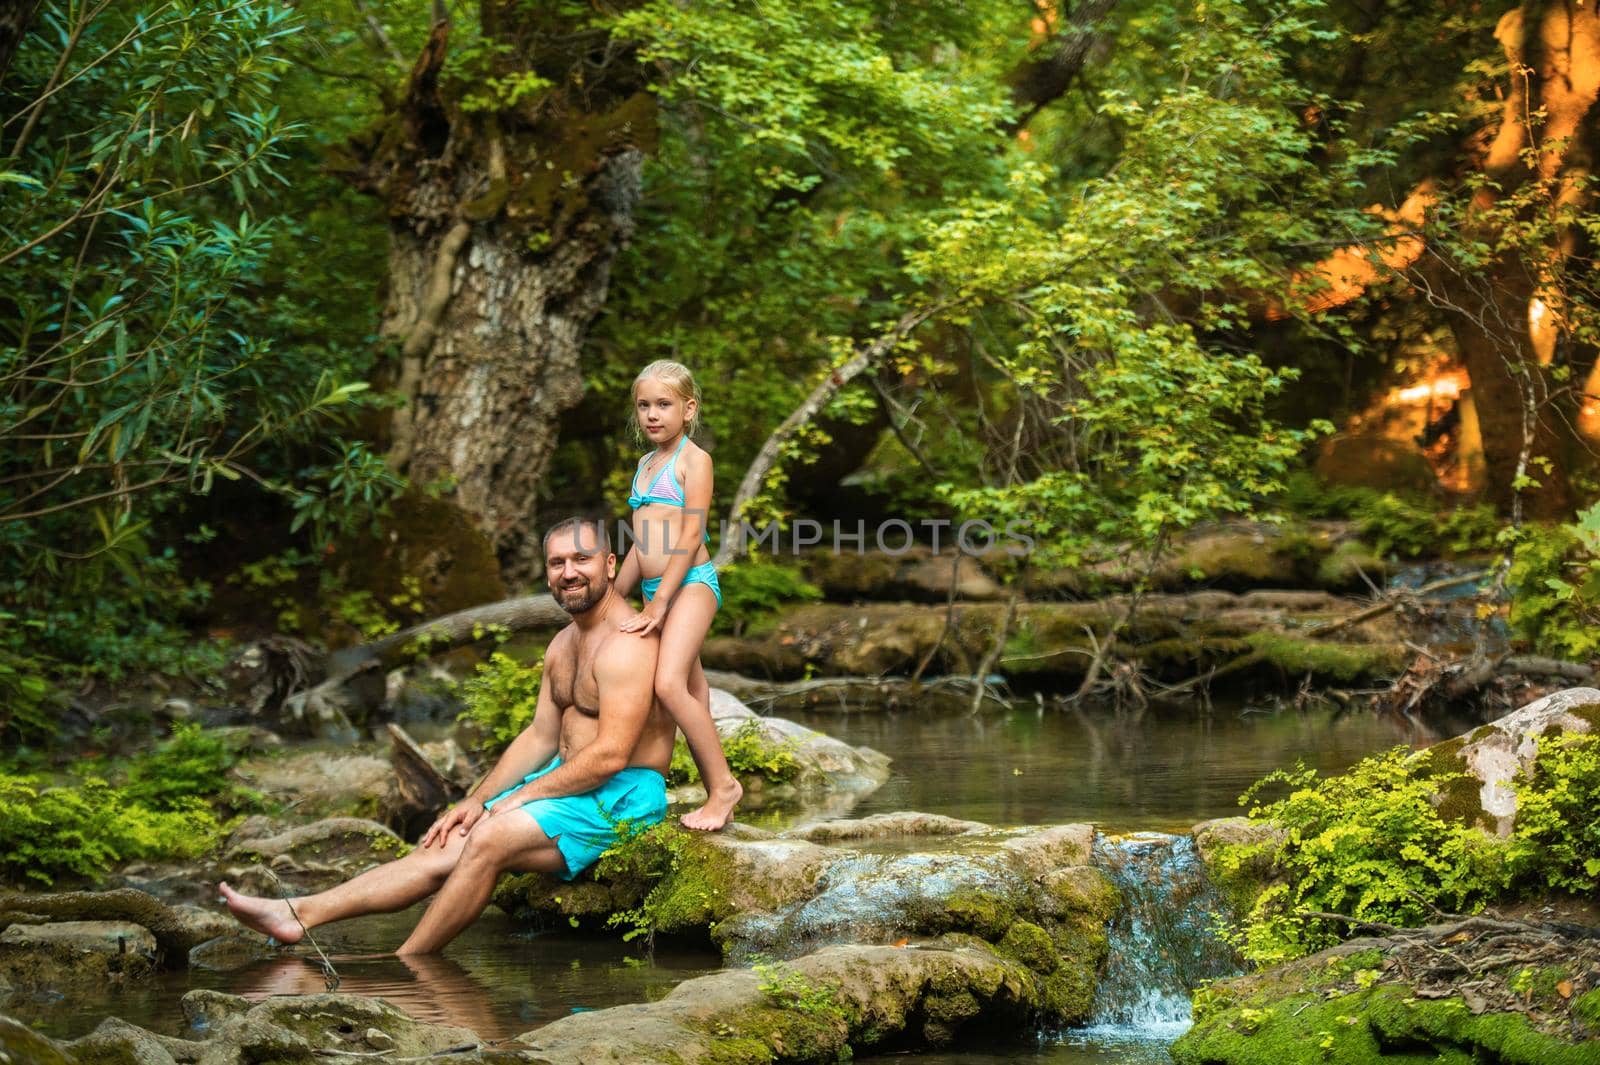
[533,747]
[625,672]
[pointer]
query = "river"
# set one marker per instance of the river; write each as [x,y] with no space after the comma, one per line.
[1151,774]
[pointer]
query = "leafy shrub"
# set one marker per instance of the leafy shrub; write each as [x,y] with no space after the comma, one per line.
[1557,832]
[754,589]
[1555,583]
[83,829]
[1392,523]
[1367,844]
[748,753]
[501,697]
[1372,845]
[192,765]
[26,692]
[645,856]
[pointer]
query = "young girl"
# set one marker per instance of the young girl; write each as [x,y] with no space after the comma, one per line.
[671,501]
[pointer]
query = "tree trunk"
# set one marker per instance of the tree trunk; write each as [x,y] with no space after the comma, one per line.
[1507,316]
[15,18]
[506,213]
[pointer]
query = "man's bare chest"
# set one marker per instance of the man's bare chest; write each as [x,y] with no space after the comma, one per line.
[572,684]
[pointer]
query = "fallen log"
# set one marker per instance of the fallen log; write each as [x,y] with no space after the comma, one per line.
[354,684]
[175,932]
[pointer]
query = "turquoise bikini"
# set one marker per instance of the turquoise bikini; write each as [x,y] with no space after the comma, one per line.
[666,488]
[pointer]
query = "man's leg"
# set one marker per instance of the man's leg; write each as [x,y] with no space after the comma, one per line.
[390,887]
[509,842]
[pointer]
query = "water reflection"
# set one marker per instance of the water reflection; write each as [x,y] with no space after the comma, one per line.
[1159,770]
[432,988]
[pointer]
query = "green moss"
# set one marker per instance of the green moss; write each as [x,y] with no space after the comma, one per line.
[1067,995]
[1459,797]
[1344,662]
[1086,892]
[1345,567]
[799,1021]
[980,912]
[1586,1007]
[1384,1024]
[1031,945]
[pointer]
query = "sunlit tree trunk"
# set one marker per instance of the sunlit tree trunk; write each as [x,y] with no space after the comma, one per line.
[1509,315]
[508,201]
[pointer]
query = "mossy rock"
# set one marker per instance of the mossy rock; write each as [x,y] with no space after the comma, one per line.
[1476,770]
[432,542]
[22,1045]
[1383,1024]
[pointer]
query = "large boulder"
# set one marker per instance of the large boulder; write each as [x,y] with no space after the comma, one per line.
[324,783]
[74,953]
[831,775]
[1034,896]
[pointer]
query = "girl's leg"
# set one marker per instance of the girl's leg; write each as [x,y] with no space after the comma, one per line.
[681,687]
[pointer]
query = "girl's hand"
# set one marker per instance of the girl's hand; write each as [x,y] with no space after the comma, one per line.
[647,619]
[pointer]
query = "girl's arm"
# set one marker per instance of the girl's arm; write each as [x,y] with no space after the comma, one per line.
[696,507]
[628,573]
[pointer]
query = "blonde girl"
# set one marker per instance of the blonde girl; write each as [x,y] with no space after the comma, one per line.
[671,501]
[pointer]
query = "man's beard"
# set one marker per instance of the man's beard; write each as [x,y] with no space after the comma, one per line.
[582,598]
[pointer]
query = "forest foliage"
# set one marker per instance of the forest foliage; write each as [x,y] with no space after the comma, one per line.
[1121,312]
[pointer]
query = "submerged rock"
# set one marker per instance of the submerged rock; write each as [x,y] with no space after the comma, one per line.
[72,953]
[21,1045]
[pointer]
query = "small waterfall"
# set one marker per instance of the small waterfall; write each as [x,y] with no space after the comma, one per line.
[1162,942]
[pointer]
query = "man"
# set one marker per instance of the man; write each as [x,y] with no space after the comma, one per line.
[595,756]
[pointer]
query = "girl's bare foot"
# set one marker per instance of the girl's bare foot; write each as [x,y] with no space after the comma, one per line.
[718,810]
[270,917]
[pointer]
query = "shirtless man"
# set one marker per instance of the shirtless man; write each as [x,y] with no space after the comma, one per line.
[595,756]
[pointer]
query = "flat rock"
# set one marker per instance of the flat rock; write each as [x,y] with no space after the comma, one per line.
[881,826]
[73,953]
[859,997]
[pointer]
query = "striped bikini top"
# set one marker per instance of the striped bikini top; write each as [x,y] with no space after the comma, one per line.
[664,488]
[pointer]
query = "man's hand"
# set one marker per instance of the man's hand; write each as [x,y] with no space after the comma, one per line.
[464,814]
[511,800]
[647,619]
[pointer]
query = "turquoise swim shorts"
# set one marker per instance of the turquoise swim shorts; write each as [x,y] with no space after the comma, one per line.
[584,826]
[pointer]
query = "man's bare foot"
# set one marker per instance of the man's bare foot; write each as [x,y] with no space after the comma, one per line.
[717,811]
[270,917]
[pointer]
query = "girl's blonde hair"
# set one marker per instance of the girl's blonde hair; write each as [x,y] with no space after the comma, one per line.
[676,376]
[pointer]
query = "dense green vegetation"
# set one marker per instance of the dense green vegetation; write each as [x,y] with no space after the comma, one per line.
[1068,267]
[1376,844]
[172,802]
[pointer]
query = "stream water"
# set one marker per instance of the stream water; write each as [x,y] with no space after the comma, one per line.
[1147,776]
